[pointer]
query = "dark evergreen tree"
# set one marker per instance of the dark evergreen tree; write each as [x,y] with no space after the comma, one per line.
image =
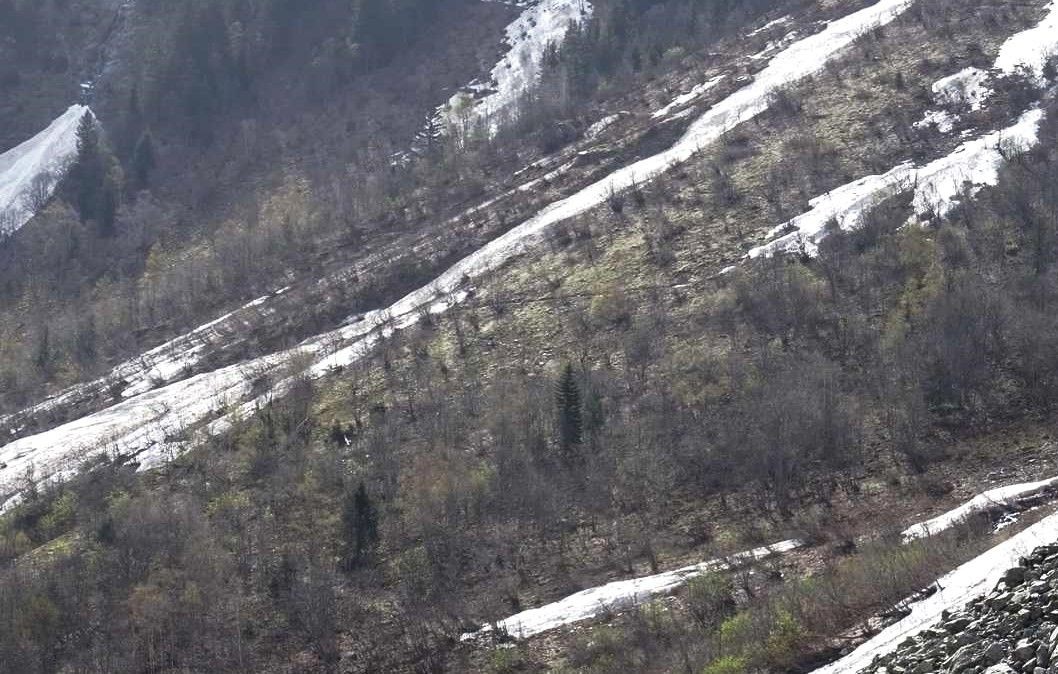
[44,354]
[94,182]
[359,528]
[339,434]
[143,160]
[89,170]
[107,213]
[570,416]
[133,124]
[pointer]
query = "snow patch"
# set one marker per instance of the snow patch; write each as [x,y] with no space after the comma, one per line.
[937,187]
[993,498]
[684,99]
[598,127]
[595,601]
[940,184]
[768,26]
[967,88]
[942,120]
[1027,51]
[540,25]
[36,166]
[1031,49]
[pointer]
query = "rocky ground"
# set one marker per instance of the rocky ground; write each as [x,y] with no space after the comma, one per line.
[1013,629]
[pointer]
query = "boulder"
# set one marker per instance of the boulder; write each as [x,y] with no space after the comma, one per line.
[1014,576]
[1025,650]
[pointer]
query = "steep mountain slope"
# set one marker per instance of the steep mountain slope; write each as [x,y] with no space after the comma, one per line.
[149,423]
[609,360]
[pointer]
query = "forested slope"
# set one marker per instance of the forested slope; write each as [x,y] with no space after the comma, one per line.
[737,273]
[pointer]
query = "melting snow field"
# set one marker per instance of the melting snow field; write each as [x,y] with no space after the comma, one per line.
[617,595]
[540,25]
[47,154]
[154,424]
[161,365]
[955,590]
[937,187]
[1032,48]
[993,498]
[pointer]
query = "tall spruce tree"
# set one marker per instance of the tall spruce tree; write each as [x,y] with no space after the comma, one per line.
[143,160]
[94,182]
[359,527]
[89,170]
[570,413]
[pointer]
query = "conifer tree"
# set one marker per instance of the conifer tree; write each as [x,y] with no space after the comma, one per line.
[94,182]
[359,527]
[132,128]
[143,160]
[88,171]
[570,417]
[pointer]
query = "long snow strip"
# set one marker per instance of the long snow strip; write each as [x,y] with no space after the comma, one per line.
[993,498]
[621,594]
[593,602]
[955,590]
[46,155]
[154,425]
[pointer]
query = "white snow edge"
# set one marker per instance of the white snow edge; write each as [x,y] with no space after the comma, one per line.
[993,498]
[620,594]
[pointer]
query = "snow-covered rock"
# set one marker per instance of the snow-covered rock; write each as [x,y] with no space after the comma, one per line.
[967,88]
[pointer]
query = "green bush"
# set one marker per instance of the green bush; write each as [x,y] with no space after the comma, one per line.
[736,632]
[710,599]
[506,660]
[784,639]
[726,665]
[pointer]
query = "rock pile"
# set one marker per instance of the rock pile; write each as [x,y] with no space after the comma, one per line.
[1014,629]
